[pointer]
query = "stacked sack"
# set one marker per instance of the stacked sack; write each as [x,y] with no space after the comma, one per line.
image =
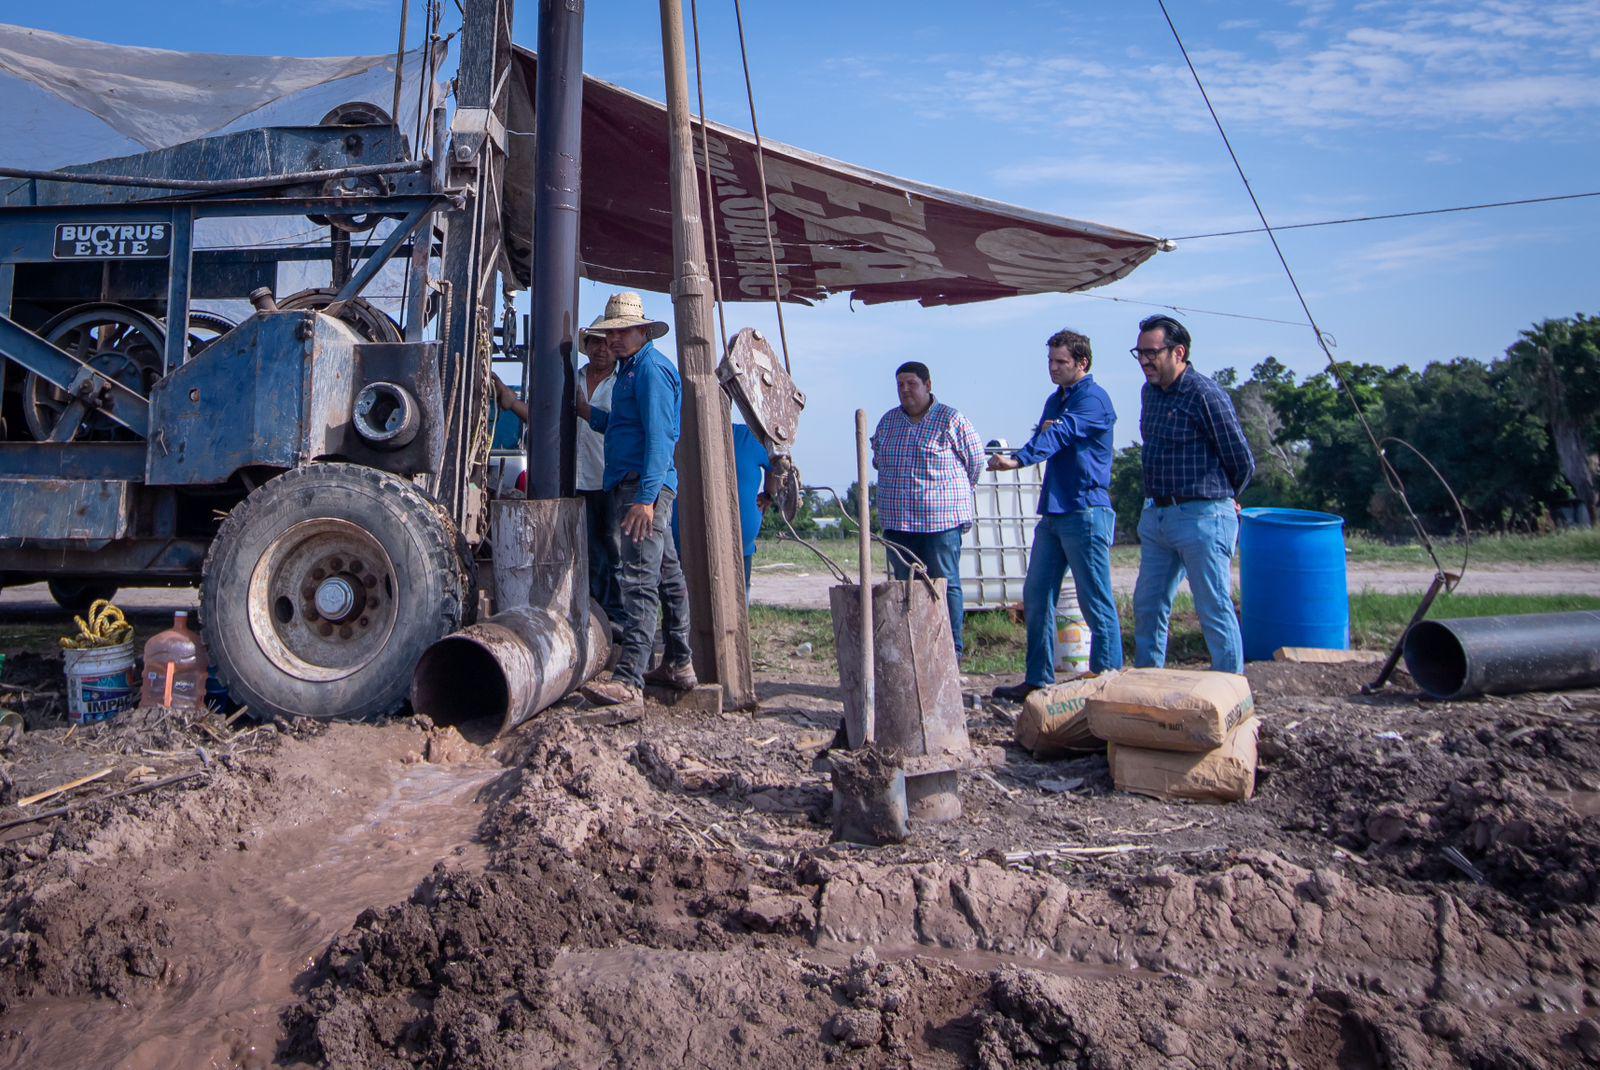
[1178,734]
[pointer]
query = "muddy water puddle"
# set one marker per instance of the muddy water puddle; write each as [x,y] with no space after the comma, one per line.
[246,925]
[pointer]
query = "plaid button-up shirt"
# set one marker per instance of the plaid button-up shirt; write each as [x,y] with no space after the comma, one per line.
[1193,444]
[926,469]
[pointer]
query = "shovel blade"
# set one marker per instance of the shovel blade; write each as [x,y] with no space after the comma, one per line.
[869,800]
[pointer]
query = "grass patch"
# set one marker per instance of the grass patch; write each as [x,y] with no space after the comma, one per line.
[788,552]
[1575,546]
[998,645]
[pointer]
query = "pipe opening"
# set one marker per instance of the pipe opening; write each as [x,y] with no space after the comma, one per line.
[1436,659]
[460,685]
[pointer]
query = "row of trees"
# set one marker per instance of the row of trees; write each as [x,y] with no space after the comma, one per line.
[1515,437]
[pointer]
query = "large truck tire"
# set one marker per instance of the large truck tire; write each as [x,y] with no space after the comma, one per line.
[324,587]
[76,596]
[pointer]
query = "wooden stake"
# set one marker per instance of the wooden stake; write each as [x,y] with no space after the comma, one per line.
[68,786]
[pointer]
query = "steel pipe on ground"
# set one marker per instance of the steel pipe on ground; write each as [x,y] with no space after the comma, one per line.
[489,678]
[1504,655]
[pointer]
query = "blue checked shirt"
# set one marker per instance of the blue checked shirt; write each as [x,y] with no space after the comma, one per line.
[1193,444]
[926,469]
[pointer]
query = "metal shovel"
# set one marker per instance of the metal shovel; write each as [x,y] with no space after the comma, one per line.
[869,786]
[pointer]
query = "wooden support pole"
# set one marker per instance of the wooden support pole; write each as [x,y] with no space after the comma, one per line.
[708,492]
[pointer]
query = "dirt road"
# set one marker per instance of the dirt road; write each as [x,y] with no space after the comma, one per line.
[799,589]
[657,889]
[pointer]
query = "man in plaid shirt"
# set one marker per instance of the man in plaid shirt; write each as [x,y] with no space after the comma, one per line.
[928,458]
[1196,464]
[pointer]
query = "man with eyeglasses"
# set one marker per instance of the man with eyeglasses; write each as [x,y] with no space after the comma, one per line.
[1076,522]
[1196,464]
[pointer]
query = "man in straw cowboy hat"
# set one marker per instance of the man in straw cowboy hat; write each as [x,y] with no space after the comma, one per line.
[641,434]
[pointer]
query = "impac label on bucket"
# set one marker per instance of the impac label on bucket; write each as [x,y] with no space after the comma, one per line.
[107,695]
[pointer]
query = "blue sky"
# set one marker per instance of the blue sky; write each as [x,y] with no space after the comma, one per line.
[1085,109]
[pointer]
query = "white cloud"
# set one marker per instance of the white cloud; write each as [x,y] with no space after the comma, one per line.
[1515,67]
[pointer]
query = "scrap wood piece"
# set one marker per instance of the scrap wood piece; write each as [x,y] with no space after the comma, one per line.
[1013,857]
[137,789]
[68,786]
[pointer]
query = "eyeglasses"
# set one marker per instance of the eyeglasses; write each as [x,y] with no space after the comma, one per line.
[1149,354]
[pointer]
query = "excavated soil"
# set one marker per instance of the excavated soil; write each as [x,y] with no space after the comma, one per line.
[1415,884]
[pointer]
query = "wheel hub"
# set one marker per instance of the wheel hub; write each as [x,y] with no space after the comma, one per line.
[335,599]
[322,599]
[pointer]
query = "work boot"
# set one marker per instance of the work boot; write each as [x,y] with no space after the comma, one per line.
[613,692]
[1014,692]
[678,677]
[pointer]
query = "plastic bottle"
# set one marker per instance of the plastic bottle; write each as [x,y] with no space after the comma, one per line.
[175,667]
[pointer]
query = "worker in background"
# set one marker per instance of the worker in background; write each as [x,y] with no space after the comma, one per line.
[641,431]
[928,458]
[754,470]
[510,417]
[1196,464]
[596,381]
[1076,521]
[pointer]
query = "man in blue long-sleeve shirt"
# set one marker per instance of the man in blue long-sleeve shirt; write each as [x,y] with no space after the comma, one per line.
[641,430]
[1196,464]
[1076,523]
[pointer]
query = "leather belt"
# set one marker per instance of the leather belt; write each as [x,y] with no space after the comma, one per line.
[1162,503]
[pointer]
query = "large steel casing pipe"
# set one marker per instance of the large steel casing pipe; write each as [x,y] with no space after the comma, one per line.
[487,679]
[1504,655]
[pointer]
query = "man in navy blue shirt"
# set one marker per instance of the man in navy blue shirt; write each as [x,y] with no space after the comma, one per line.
[641,430]
[1077,523]
[1196,464]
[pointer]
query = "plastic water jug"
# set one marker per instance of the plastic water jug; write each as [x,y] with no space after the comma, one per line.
[175,667]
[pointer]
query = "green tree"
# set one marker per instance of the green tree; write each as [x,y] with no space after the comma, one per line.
[1557,365]
[1468,420]
[1127,490]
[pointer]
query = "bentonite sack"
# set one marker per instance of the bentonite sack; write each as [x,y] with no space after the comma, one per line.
[1053,720]
[1170,709]
[1226,774]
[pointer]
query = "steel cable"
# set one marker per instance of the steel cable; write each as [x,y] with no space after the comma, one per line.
[1390,476]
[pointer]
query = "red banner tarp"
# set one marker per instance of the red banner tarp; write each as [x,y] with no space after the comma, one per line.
[839,228]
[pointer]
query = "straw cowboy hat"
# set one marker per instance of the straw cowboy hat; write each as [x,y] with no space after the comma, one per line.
[586,333]
[626,310]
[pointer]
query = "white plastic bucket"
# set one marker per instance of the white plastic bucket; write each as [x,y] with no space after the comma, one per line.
[101,682]
[1072,631]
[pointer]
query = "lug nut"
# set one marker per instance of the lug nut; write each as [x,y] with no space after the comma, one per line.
[319,573]
[362,622]
[369,580]
[326,629]
[345,632]
[336,563]
[356,566]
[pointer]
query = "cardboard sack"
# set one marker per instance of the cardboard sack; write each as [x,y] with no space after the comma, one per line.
[1170,709]
[1227,774]
[1054,721]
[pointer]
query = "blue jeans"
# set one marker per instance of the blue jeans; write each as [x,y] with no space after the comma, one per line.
[653,588]
[1196,538]
[605,554]
[941,552]
[1081,541]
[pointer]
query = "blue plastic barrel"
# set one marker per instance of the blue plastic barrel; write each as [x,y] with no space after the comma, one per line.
[1292,575]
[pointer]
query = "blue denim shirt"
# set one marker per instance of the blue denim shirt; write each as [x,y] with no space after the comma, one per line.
[642,425]
[1076,448]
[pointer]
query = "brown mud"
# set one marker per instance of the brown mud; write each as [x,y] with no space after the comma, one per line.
[1414,885]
